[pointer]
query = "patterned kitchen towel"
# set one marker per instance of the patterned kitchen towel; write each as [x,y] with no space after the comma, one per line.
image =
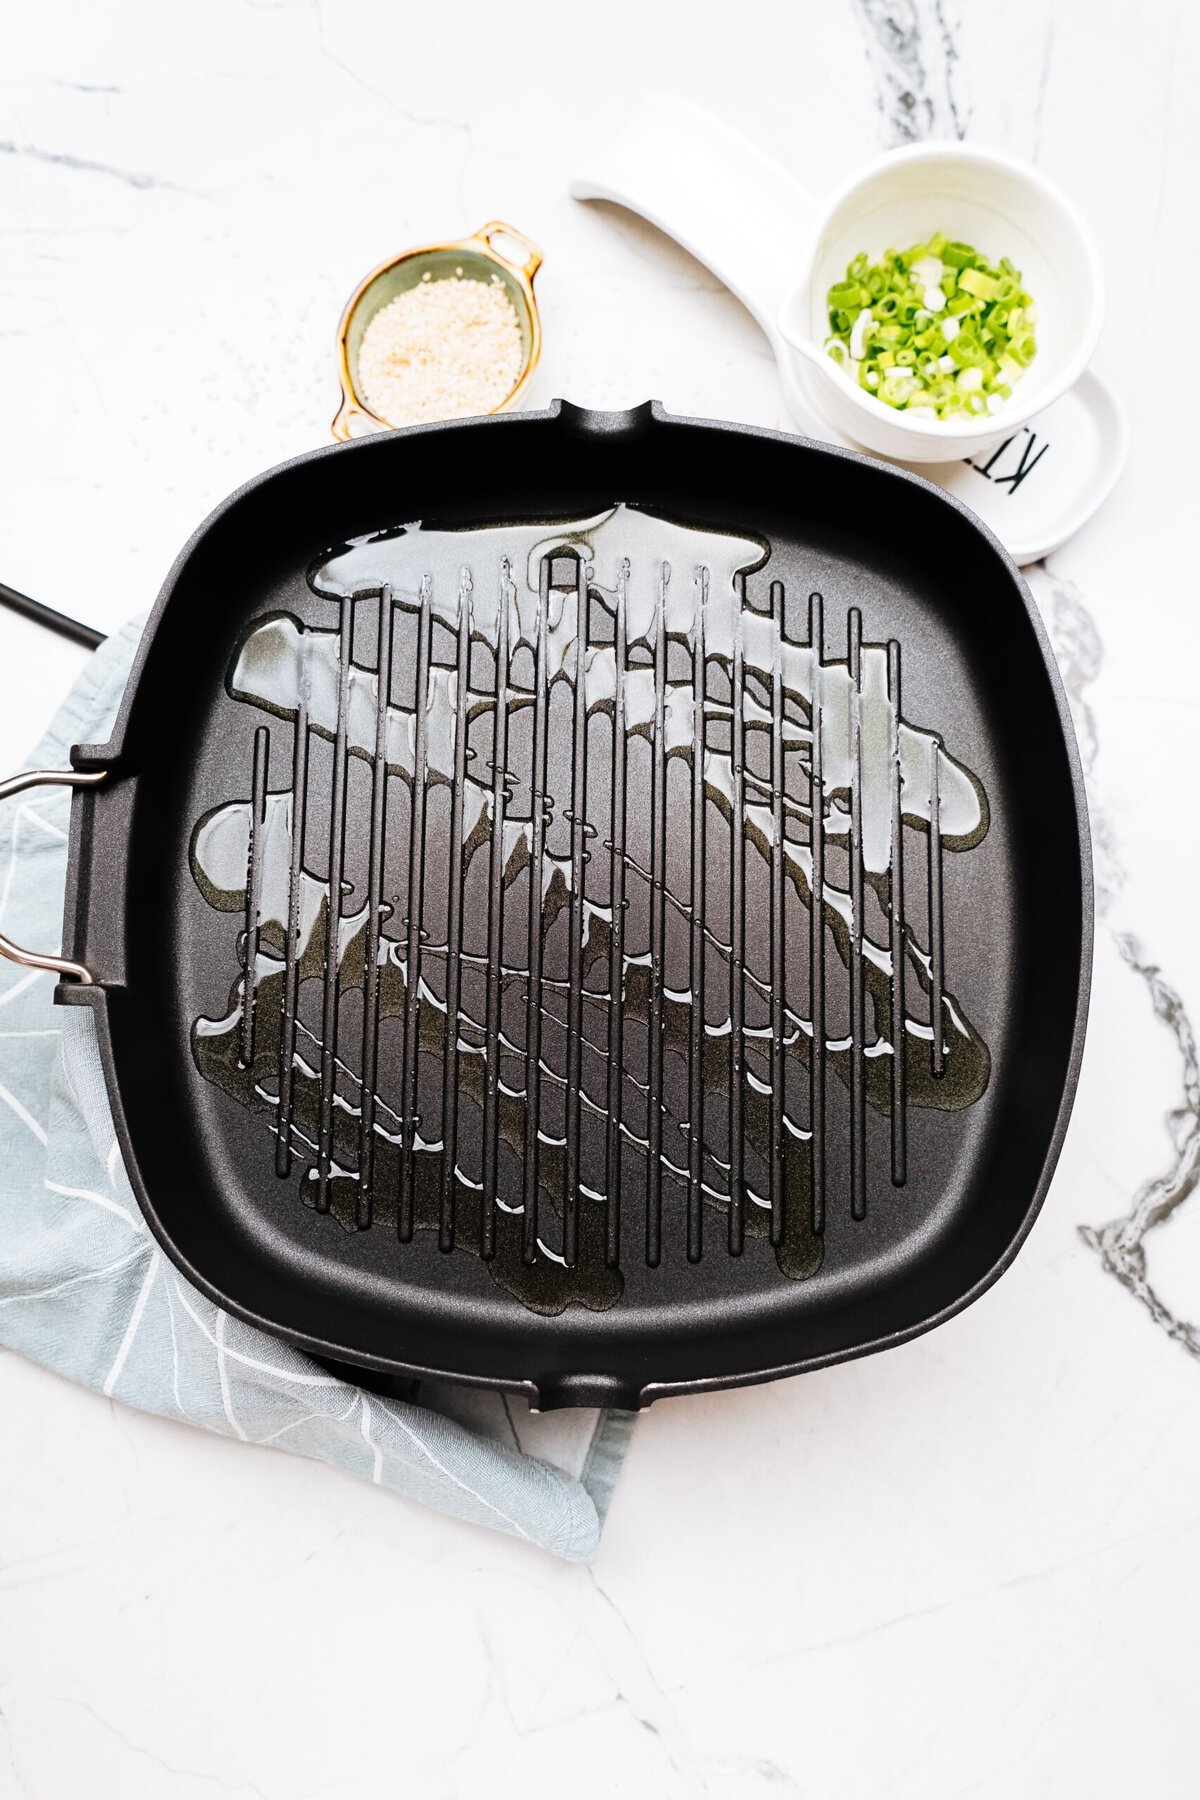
[85,1290]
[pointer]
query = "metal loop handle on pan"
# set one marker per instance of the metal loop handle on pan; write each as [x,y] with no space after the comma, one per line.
[17,784]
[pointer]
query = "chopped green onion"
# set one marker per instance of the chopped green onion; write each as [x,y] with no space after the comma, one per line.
[982,286]
[936,326]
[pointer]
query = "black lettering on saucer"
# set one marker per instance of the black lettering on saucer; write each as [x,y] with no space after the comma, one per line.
[1027,461]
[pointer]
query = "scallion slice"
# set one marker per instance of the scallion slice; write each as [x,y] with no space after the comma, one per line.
[935,326]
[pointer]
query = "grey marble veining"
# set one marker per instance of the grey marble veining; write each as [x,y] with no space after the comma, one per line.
[920,87]
[86,165]
[1121,1243]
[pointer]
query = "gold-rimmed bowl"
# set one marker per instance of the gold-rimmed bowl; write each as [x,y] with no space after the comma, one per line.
[475,258]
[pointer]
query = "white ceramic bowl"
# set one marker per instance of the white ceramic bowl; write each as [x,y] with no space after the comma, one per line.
[981,197]
[780,250]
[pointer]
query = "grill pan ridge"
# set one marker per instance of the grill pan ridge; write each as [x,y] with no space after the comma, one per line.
[467,886]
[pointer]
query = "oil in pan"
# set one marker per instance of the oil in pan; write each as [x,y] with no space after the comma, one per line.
[546,977]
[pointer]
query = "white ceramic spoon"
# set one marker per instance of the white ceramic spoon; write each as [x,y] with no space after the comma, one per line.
[1035,471]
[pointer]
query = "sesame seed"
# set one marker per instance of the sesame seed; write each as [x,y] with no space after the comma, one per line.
[444,349]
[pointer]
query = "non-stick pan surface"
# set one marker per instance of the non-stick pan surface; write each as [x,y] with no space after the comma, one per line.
[505,1040]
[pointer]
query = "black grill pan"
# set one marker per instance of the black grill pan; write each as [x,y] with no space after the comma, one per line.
[447,893]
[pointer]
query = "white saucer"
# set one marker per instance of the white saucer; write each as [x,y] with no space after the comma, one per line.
[1045,481]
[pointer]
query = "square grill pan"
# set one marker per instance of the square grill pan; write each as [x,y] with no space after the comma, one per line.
[449,897]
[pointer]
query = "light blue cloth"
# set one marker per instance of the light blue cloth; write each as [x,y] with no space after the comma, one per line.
[85,1290]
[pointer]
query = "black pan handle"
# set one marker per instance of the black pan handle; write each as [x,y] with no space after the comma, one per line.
[34,959]
[75,629]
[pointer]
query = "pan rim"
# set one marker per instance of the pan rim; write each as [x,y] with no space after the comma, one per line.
[597,1387]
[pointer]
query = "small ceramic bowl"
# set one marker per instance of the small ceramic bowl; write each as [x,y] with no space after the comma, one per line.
[1007,208]
[475,257]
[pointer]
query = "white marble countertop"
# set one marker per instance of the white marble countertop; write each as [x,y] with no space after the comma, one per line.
[964,1568]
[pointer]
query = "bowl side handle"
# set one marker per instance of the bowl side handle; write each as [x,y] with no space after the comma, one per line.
[729,204]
